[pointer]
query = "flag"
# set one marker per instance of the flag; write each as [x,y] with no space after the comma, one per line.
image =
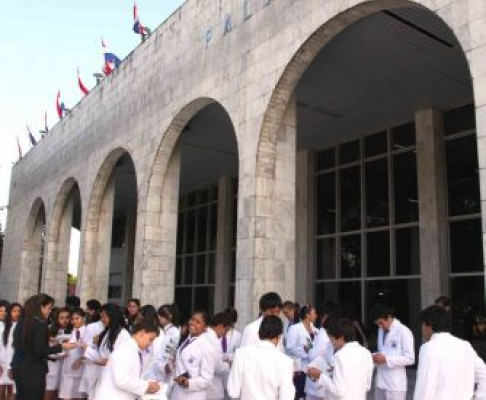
[59,105]
[46,128]
[20,149]
[111,60]
[81,85]
[137,26]
[31,137]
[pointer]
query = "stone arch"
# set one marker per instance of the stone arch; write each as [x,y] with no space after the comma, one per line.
[161,208]
[58,239]
[33,251]
[96,232]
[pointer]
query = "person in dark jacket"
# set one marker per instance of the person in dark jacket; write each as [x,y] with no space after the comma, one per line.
[31,341]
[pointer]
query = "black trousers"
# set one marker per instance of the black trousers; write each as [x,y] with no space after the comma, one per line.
[30,382]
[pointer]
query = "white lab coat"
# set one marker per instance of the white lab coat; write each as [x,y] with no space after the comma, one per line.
[321,347]
[198,360]
[221,368]
[448,369]
[6,354]
[71,378]
[90,372]
[233,339]
[399,351]
[250,335]
[298,344]
[121,378]
[352,374]
[260,372]
[163,352]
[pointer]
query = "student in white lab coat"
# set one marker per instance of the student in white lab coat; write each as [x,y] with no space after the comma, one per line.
[299,340]
[97,352]
[448,368]
[290,316]
[7,384]
[230,342]
[195,362]
[270,304]
[260,371]
[217,330]
[350,379]
[3,316]
[121,378]
[72,367]
[59,329]
[396,351]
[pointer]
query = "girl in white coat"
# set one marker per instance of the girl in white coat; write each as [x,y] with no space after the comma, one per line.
[60,326]
[298,343]
[195,362]
[98,352]
[6,383]
[72,367]
[3,315]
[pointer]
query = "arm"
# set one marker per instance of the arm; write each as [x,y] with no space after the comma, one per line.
[427,375]
[337,384]
[206,371]
[408,353]
[286,385]
[39,341]
[124,377]
[235,377]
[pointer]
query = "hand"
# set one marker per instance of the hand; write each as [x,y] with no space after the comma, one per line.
[181,381]
[77,364]
[153,387]
[379,358]
[68,346]
[313,373]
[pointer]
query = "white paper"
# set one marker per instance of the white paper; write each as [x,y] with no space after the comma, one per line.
[160,395]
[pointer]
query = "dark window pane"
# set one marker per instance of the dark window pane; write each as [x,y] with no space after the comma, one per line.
[179,269]
[201,269]
[202,228]
[466,246]
[212,269]
[183,299]
[349,152]
[377,198]
[351,256]
[403,136]
[376,144]
[213,227]
[182,202]
[180,233]
[234,221]
[463,176]
[204,299]
[325,159]
[203,196]
[407,258]
[378,253]
[405,186]
[188,270]
[326,203]
[467,295]
[402,294]
[326,259]
[213,193]
[190,232]
[459,120]
[191,199]
[350,199]
[346,294]
[231,296]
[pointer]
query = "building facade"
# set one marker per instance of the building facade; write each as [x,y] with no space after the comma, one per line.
[323,149]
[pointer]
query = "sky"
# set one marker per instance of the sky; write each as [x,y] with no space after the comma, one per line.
[42,43]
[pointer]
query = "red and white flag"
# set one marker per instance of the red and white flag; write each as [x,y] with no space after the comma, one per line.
[20,149]
[83,88]
[59,105]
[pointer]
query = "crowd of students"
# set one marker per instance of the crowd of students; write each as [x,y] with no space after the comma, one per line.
[105,352]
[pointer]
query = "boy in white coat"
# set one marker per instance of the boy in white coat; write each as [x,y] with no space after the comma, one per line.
[121,378]
[396,351]
[261,371]
[449,368]
[350,379]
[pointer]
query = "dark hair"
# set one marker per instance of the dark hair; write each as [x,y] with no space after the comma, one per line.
[270,300]
[232,314]
[33,311]
[170,312]
[270,328]
[443,301]
[116,324]
[9,322]
[288,304]
[94,305]
[147,325]
[136,301]
[220,319]
[73,301]
[4,303]
[305,310]
[78,311]
[54,328]
[342,328]
[204,314]
[381,310]
[437,318]
[148,312]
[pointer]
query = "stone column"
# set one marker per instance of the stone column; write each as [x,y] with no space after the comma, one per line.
[224,242]
[61,265]
[129,255]
[432,196]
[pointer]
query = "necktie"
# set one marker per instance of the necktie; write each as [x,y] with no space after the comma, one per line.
[78,336]
[186,343]
[385,333]
[140,357]
[224,344]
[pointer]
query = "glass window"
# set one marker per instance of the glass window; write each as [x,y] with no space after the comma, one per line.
[459,120]
[407,251]
[405,187]
[466,247]
[378,253]
[188,270]
[183,299]
[377,196]
[403,136]
[326,199]
[376,144]
[204,299]
[349,152]
[346,294]
[201,269]
[179,270]
[213,227]
[463,176]
[325,159]
[326,259]
[202,228]
[351,256]
[350,182]
[190,232]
